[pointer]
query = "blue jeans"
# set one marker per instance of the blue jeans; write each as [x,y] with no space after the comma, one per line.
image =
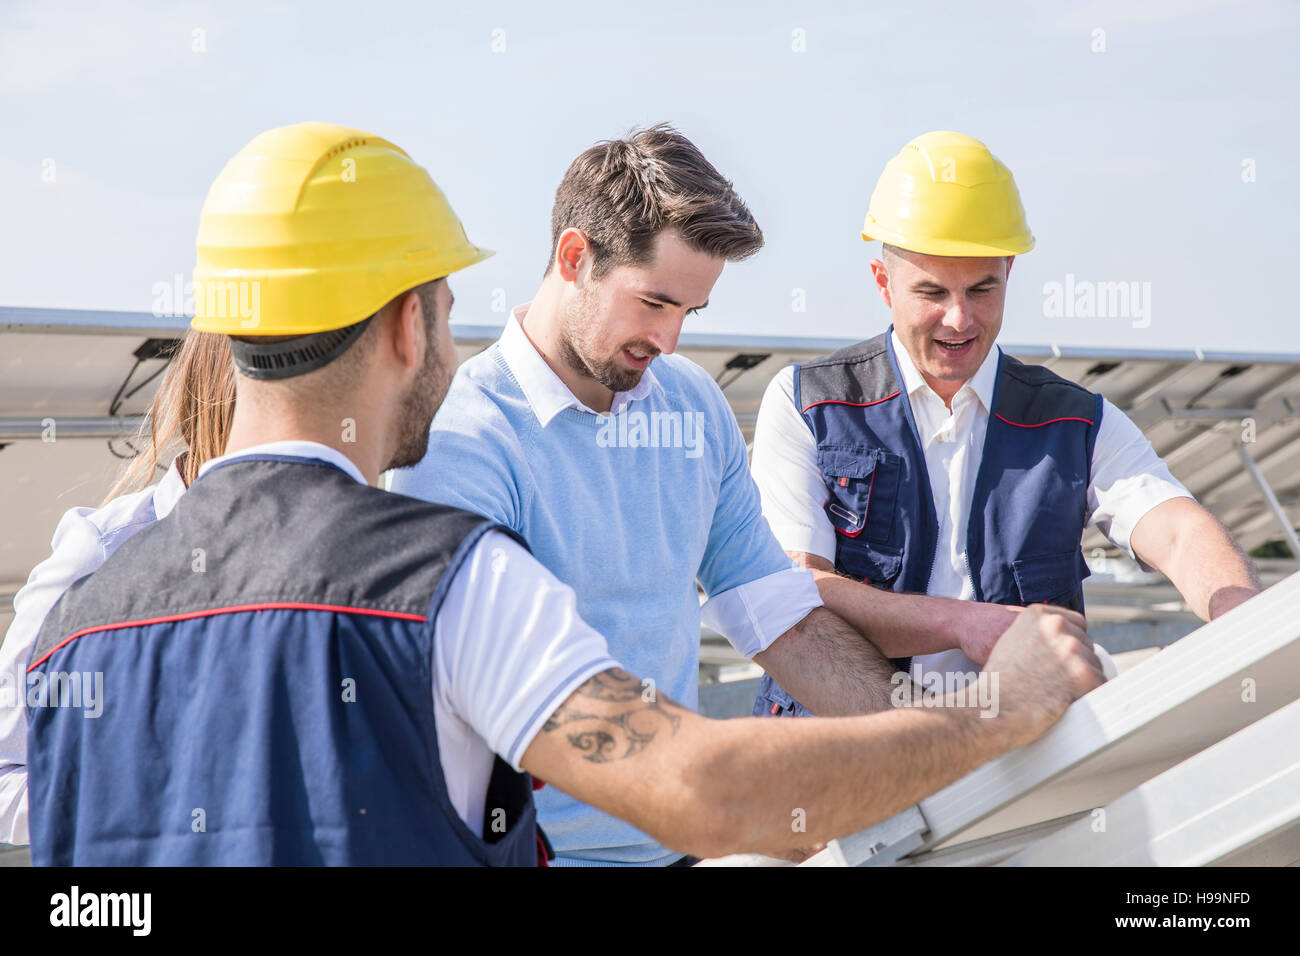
[773,701]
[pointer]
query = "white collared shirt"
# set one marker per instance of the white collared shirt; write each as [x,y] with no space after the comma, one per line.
[953,443]
[291,449]
[497,676]
[1127,480]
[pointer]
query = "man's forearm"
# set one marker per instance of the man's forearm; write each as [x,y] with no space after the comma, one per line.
[829,667]
[713,787]
[1186,543]
[897,624]
[900,625]
[1211,573]
[881,766]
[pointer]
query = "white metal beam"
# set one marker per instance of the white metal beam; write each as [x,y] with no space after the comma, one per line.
[1236,803]
[1214,682]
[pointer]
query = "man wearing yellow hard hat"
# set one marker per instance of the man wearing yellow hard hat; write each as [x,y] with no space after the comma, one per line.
[925,460]
[301,668]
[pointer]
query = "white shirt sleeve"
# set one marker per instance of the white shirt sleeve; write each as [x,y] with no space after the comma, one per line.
[1128,480]
[78,551]
[784,465]
[509,647]
[755,614]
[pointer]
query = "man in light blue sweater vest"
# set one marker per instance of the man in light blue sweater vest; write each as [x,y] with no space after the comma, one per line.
[623,467]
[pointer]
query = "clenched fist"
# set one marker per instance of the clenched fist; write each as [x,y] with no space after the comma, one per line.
[1045,662]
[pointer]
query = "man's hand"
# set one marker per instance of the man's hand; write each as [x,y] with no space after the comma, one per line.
[899,625]
[980,626]
[1044,663]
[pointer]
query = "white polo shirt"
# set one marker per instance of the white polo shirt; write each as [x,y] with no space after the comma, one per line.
[1127,479]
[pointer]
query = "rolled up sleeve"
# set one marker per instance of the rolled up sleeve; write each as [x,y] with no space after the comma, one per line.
[754,615]
[755,592]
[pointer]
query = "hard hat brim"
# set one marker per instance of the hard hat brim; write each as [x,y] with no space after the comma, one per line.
[989,248]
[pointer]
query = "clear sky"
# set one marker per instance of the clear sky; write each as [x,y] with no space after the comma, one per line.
[1154,142]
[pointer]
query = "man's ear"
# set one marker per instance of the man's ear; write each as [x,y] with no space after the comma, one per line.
[571,253]
[881,274]
[406,330]
[1010,259]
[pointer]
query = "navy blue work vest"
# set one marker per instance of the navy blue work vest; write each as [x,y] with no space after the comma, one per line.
[266,654]
[1029,505]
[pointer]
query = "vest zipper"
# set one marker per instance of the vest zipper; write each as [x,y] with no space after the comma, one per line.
[934,551]
[970,575]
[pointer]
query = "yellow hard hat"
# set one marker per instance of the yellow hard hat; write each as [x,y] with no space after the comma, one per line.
[945,194]
[315,227]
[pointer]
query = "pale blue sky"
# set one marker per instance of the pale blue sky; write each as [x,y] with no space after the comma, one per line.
[1129,160]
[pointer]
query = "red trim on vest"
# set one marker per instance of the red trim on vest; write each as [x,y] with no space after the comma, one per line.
[835,401]
[190,615]
[1041,424]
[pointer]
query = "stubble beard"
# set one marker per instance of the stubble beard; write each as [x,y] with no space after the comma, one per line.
[418,409]
[577,348]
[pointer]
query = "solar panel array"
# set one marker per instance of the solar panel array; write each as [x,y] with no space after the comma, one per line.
[1199,410]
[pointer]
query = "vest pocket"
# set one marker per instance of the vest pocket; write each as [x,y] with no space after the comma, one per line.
[862,490]
[1050,578]
[877,564]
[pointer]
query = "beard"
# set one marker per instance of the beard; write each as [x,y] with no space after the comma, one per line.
[418,408]
[578,348]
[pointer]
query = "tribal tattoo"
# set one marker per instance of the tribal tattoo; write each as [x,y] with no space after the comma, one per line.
[619,732]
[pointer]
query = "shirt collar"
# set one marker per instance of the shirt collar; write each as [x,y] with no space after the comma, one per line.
[292,449]
[169,490]
[545,391]
[981,383]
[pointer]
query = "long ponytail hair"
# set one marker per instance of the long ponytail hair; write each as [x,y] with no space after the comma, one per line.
[191,412]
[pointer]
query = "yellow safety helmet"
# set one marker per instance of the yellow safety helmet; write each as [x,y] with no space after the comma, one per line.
[945,194]
[315,227]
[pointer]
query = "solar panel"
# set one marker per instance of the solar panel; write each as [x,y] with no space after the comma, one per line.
[1234,804]
[68,364]
[1216,681]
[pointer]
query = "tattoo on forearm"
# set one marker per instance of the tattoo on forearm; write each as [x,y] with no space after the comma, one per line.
[621,732]
[617,685]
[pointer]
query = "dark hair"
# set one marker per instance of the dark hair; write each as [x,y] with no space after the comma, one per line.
[621,193]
